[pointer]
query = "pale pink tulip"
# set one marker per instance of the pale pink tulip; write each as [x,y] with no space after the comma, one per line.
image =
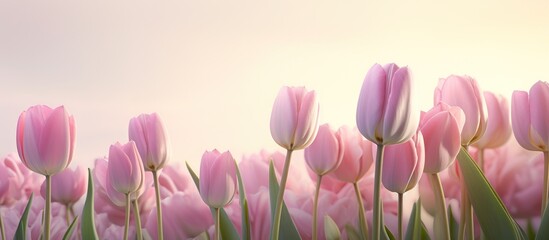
[126,171]
[357,155]
[529,117]
[149,134]
[45,139]
[175,178]
[403,164]
[217,178]
[294,119]
[68,186]
[325,153]
[17,182]
[463,92]
[384,112]
[441,127]
[498,124]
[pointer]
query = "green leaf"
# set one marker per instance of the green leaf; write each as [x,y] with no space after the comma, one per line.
[495,220]
[287,226]
[530,231]
[331,230]
[70,230]
[543,232]
[352,233]
[244,207]
[454,225]
[87,226]
[228,231]
[202,236]
[21,233]
[388,234]
[414,225]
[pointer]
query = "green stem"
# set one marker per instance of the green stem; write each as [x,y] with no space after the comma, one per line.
[440,222]
[361,217]
[399,215]
[545,182]
[2,229]
[127,217]
[377,197]
[217,224]
[280,196]
[135,205]
[158,206]
[47,211]
[67,215]
[315,208]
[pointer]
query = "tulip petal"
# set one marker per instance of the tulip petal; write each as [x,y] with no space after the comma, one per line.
[371,103]
[539,110]
[284,118]
[398,123]
[55,140]
[520,120]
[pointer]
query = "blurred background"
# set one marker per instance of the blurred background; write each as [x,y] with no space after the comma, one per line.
[212,69]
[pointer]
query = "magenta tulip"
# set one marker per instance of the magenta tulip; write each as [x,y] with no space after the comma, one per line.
[125,169]
[217,178]
[294,119]
[463,92]
[68,186]
[357,155]
[384,112]
[530,114]
[45,139]
[325,153]
[149,134]
[403,164]
[498,124]
[441,127]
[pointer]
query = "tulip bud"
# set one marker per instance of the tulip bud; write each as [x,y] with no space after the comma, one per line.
[463,92]
[148,133]
[217,178]
[294,119]
[125,169]
[45,139]
[384,112]
[529,117]
[357,156]
[498,126]
[441,127]
[325,153]
[68,186]
[403,164]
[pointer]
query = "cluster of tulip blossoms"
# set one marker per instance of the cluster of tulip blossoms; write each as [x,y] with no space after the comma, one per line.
[497,185]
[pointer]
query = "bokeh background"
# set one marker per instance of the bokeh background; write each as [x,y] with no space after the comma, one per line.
[212,69]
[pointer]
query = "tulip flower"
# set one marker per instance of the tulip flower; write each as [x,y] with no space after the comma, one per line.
[147,130]
[384,116]
[217,181]
[126,174]
[69,187]
[529,114]
[498,124]
[45,142]
[463,92]
[323,156]
[294,125]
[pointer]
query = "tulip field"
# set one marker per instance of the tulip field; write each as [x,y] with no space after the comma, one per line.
[474,166]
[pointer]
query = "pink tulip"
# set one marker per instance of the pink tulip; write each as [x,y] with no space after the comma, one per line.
[125,170]
[463,92]
[529,117]
[217,178]
[325,153]
[357,155]
[68,186]
[403,164]
[441,127]
[294,119]
[384,112]
[498,125]
[45,139]
[148,133]
[17,182]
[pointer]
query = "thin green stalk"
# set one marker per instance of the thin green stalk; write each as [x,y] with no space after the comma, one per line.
[315,208]
[441,224]
[47,211]
[2,229]
[362,219]
[135,205]
[158,207]
[377,197]
[278,210]
[67,215]
[127,216]
[399,215]
[545,182]
[217,224]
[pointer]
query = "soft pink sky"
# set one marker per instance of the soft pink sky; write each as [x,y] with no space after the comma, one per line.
[212,69]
